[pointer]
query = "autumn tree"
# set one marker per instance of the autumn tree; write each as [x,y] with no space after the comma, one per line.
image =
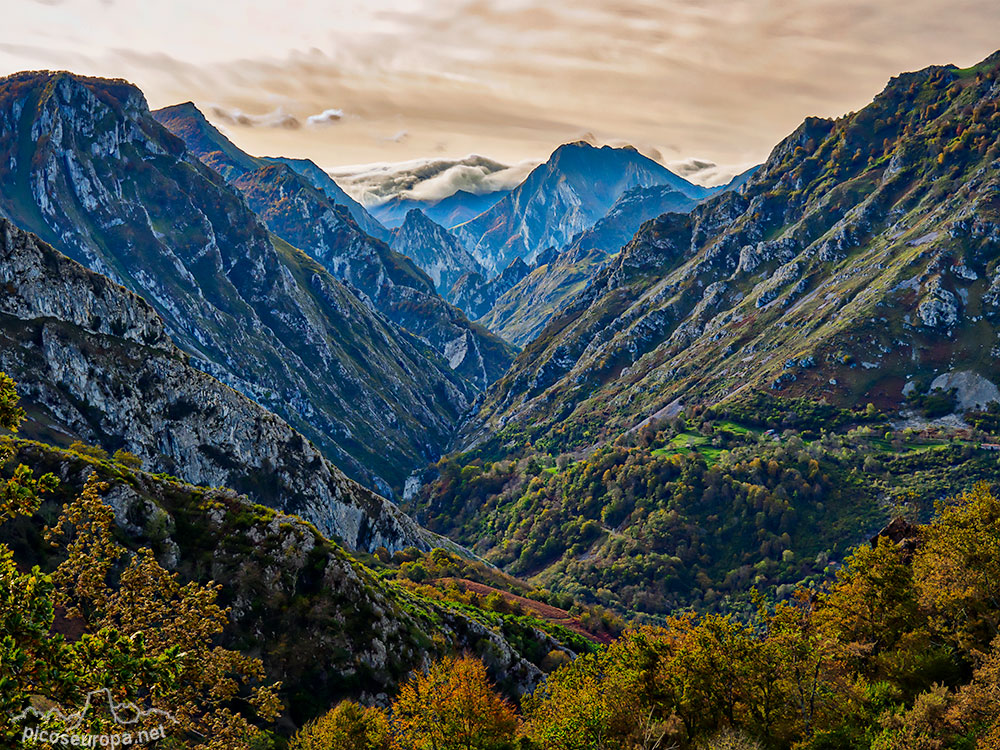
[872,609]
[452,706]
[957,569]
[138,631]
[576,709]
[347,726]
[109,588]
[34,660]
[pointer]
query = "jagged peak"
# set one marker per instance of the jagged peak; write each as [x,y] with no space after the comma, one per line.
[187,109]
[418,217]
[516,266]
[583,146]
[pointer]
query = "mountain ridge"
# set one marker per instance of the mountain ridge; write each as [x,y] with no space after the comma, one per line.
[304,215]
[189,123]
[449,212]
[842,270]
[95,363]
[521,312]
[433,249]
[86,167]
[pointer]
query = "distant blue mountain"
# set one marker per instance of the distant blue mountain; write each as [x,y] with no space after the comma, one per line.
[456,209]
[567,194]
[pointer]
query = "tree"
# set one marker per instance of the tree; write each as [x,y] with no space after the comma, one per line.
[33,659]
[139,633]
[91,451]
[872,609]
[178,622]
[957,568]
[347,726]
[452,706]
[571,710]
[976,707]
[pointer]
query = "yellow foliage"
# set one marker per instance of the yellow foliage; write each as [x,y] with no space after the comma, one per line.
[452,706]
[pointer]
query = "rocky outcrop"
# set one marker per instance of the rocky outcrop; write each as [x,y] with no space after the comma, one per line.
[972,391]
[901,533]
[939,308]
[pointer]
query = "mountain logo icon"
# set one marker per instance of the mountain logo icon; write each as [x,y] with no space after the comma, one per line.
[124,714]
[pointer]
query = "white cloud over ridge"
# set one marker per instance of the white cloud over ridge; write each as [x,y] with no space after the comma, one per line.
[277,118]
[706,172]
[720,79]
[428,179]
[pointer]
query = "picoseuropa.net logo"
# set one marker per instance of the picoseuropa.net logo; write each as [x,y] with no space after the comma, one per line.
[125,724]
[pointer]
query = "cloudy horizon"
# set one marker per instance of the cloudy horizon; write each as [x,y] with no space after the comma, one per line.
[706,87]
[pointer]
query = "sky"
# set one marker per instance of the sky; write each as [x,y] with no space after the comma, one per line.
[707,87]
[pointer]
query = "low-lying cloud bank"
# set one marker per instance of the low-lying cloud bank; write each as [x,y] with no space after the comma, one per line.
[434,179]
[428,179]
[705,172]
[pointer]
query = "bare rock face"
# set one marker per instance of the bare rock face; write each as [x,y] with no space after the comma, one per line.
[476,295]
[901,533]
[93,362]
[939,309]
[434,249]
[972,390]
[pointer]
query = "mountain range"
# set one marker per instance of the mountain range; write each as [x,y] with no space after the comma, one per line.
[188,123]
[519,313]
[88,169]
[307,217]
[449,212]
[859,263]
[95,364]
[644,397]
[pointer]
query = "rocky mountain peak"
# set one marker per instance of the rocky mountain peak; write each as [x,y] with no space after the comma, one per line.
[567,194]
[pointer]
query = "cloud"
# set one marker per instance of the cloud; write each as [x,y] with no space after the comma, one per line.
[397,137]
[707,173]
[277,118]
[719,79]
[326,117]
[691,165]
[429,179]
